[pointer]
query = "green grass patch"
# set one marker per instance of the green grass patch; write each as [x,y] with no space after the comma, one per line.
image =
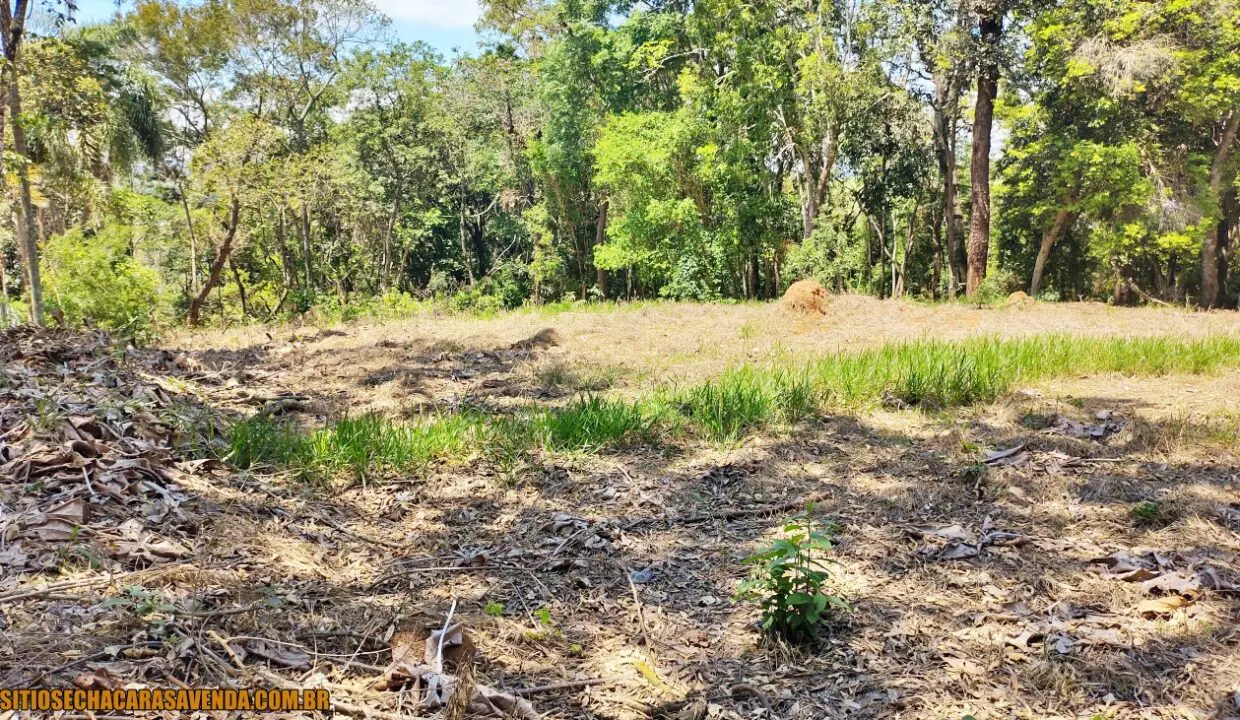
[944,374]
[592,423]
[930,374]
[361,446]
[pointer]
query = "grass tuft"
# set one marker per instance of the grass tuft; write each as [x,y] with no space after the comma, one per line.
[592,423]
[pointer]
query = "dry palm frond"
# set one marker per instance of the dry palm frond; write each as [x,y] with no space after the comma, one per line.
[1121,68]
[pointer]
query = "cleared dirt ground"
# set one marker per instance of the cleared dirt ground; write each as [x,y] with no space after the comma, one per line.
[1022,587]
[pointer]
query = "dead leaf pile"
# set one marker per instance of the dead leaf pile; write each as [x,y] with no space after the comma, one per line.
[1173,580]
[954,542]
[88,454]
[1108,424]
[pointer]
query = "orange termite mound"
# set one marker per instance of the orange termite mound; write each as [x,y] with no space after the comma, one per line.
[806,297]
[1019,300]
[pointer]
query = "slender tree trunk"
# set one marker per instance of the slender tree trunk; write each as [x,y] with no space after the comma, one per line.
[991,27]
[27,240]
[600,237]
[236,273]
[193,243]
[815,185]
[946,116]
[936,267]
[288,265]
[1226,228]
[1210,247]
[217,266]
[1063,220]
[12,33]
[388,234]
[4,294]
[307,261]
[469,266]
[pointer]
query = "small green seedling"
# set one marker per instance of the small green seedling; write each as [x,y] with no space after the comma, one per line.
[494,609]
[1147,511]
[789,578]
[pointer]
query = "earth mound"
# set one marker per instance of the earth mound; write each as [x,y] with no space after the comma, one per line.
[806,297]
[1019,300]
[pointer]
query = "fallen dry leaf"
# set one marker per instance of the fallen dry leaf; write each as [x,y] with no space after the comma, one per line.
[1162,606]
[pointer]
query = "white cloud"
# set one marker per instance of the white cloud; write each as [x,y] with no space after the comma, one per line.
[436,13]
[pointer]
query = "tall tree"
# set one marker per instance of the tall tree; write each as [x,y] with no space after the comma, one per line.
[13,17]
[990,33]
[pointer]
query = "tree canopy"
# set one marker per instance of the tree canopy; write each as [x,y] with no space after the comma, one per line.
[244,160]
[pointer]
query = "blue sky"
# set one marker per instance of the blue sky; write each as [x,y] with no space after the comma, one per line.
[443,24]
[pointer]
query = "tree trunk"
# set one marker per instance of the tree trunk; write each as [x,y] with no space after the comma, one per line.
[193,243]
[27,239]
[469,267]
[288,265]
[815,189]
[1063,220]
[936,267]
[1210,247]
[991,27]
[385,270]
[600,237]
[1226,227]
[217,266]
[946,116]
[4,295]
[307,262]
[245,301]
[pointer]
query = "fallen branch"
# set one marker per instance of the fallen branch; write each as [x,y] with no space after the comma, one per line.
[102,654]
[206,614]
[15,595]
[570,685]
[637,602]
[1144,295]
[358,536]
[446,568]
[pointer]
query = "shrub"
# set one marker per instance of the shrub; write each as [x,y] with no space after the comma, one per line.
[789,579]
[95,279]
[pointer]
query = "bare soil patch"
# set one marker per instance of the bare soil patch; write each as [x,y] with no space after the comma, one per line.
[992,555]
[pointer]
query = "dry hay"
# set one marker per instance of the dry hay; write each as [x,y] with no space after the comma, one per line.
[806,297]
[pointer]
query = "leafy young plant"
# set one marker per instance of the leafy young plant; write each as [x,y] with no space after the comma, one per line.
[789,579]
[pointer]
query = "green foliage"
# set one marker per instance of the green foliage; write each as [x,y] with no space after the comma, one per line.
[96,279]
[1147,511]
[789,581]
[727,407]
[592,423]
[494,609]
[362,447]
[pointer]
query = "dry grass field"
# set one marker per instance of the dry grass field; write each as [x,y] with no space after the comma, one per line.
[405,365]
[1069,548]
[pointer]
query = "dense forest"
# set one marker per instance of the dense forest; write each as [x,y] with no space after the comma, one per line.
[246,160]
